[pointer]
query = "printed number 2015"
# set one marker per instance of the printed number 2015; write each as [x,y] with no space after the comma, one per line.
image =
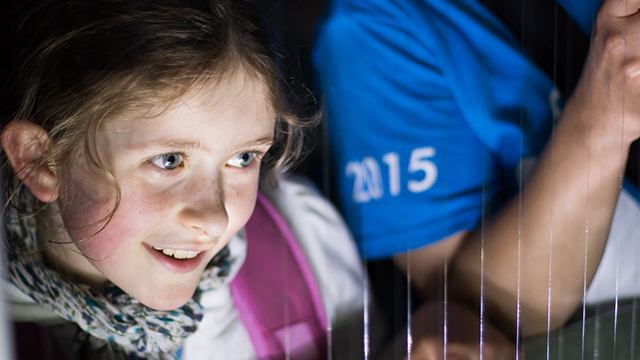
[367,176]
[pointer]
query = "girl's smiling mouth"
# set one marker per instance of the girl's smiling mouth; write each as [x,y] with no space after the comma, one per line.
[178,261]
[178,254]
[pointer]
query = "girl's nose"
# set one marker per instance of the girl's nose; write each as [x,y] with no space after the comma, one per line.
[205,210]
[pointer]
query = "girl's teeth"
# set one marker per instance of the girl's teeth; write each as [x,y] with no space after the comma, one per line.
[168,252]
[178,254]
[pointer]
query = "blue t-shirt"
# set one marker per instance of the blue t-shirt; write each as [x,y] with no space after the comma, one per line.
[430,105]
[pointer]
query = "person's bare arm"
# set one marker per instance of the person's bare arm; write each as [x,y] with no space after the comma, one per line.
[426,265]
[574,189]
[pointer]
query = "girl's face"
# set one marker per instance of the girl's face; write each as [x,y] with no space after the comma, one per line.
[188,180]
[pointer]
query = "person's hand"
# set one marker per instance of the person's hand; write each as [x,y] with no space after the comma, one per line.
[609,88]
[463,336]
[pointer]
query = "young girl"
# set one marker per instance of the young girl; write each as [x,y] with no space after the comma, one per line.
[135,135]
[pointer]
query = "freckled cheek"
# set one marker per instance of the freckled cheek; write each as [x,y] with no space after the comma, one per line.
[132,222]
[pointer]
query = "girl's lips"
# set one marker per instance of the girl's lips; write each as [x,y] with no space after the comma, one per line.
[176,265]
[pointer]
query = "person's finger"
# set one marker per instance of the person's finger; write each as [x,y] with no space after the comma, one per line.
[620,8]
[616,47]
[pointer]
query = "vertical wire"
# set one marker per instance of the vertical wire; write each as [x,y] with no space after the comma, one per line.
[326,177]
[445,329]
[586,242]
[596,337]
[616,302]
[634,317]
[555,119]
[365,311]
[620,180]
[634,300]
[520,183]
[445,288]
[287,319]
[329,340]
[584,275]
[518,303]
[550,253]
[598,324]
[555,54]
[482,231]
[409,338]
[561,343]
[482,226]
[482,283]
[615,311]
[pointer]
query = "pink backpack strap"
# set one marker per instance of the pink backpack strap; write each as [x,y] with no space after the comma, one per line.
[276,293]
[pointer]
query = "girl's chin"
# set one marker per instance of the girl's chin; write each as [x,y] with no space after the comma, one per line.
[169,302]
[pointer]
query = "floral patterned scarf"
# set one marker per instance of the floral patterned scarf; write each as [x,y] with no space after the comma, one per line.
[114,324]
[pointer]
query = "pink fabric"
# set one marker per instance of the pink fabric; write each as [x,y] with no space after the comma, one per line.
[275,290]
[299,339]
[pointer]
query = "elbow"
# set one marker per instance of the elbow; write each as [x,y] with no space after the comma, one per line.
[549,315]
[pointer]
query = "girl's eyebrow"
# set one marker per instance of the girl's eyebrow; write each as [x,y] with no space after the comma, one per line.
[195,144]
[181,144]
[263,141]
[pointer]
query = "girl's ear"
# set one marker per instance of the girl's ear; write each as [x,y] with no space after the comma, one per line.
[24,143]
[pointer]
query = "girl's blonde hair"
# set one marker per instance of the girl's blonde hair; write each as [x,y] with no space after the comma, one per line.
[79,63]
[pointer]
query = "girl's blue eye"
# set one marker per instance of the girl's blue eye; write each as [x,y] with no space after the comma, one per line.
[168,161]
[242,160]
